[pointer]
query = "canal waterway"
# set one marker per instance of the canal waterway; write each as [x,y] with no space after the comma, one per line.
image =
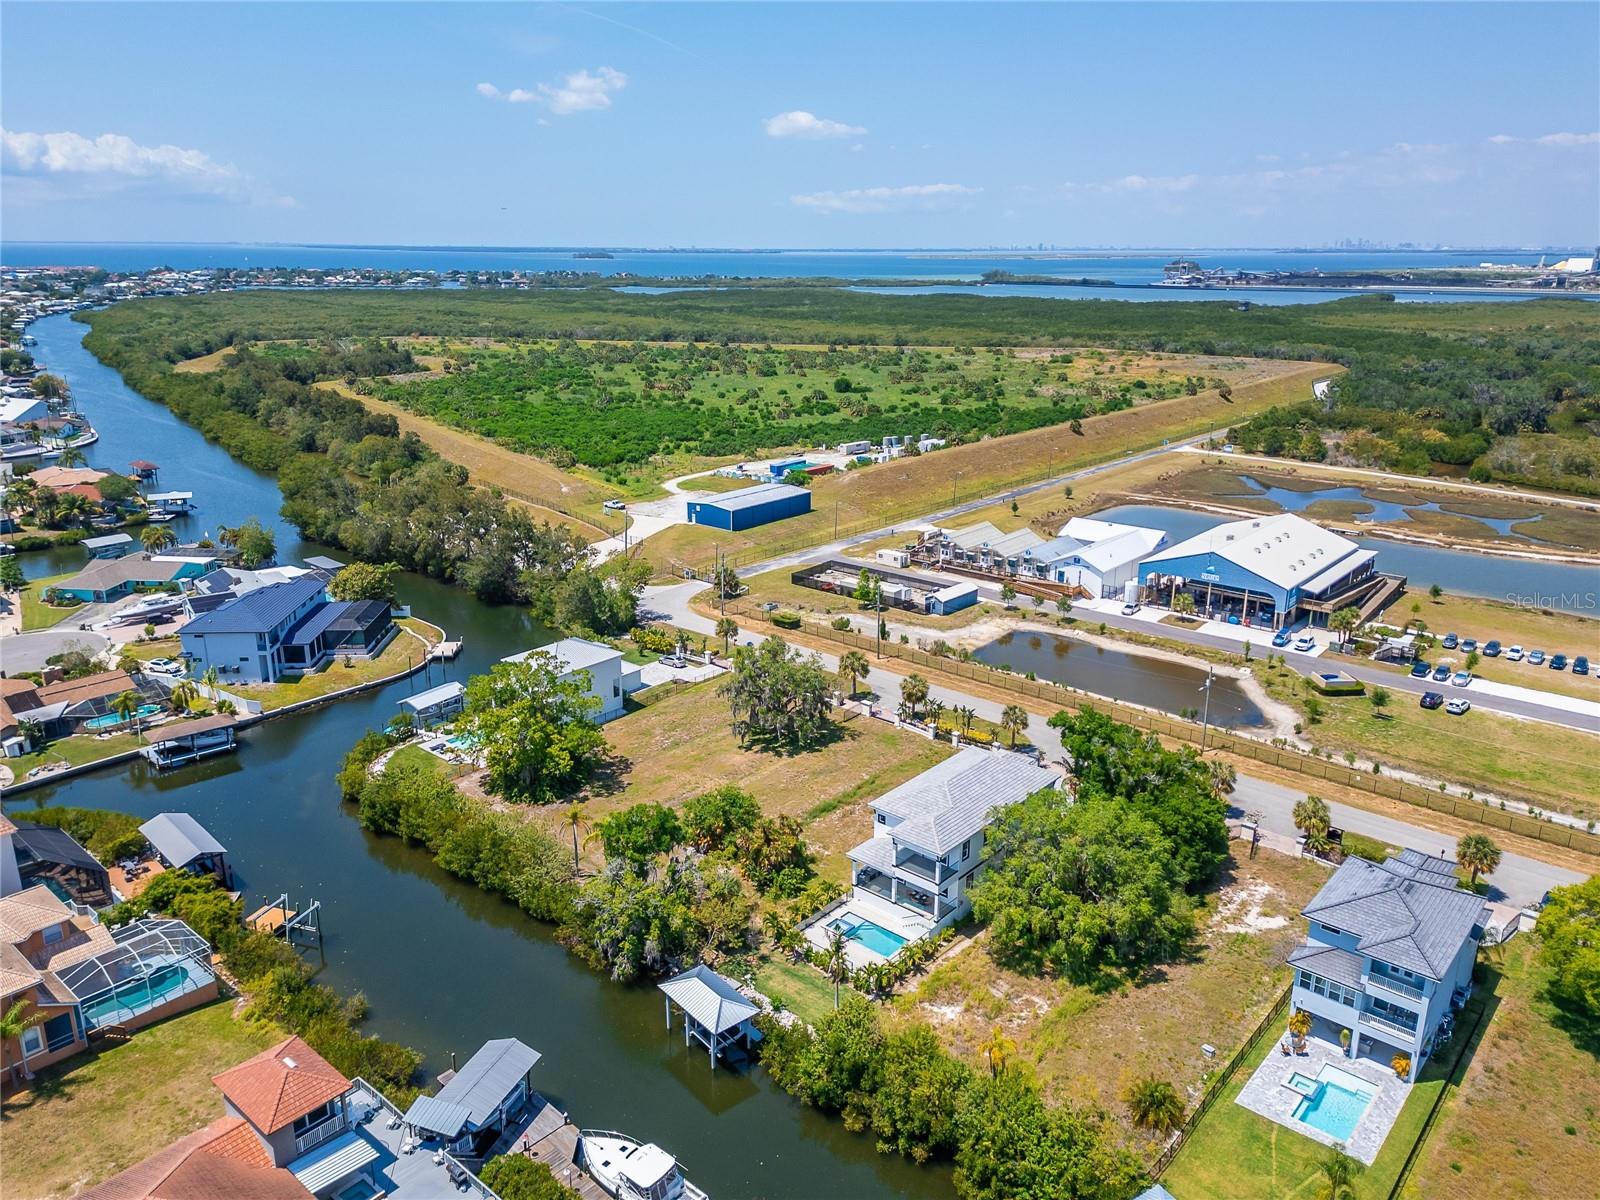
[1137,678]
[1563,587]
[444,965]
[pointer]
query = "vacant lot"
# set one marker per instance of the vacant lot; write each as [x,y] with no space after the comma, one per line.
[1524,1121]
[681,746]
[1085,1044]
[96,1114]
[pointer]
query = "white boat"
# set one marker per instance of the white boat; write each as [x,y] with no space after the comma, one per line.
[631,1170]
[158,516]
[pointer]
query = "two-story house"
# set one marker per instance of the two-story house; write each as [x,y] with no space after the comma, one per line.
[601,668]
[284,628]
[1388,955]
[927,843]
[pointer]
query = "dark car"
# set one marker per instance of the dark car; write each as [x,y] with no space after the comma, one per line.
[1432,700]
[1558,662]
[1491,649]
[1580,665]
[1282,637]
[1441,673]
[1449,642]
[1420,669]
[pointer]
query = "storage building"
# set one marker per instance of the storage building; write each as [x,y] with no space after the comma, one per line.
[953,598]
[751,507]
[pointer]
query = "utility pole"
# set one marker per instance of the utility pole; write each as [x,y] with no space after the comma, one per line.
[877,592]
[1205,720]
[835,520]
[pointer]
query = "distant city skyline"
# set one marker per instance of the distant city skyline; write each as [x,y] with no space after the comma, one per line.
[1082,126]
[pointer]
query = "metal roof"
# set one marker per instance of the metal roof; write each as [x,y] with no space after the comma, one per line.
[948,803]
[1338,571]
[762,493]
[110,539]
[442,694]
[709,998]
[179,838]
[259,610]
[182,729]
[315,623]
[1286,550]
[574,654]
[489,1077]
[323,563]
[1400,911]
[437,1116]
[332,1161]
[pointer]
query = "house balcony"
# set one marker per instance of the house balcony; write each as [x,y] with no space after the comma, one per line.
[319,1133]
[1398,987]
[897,891]
[920,865]
[1388,1028]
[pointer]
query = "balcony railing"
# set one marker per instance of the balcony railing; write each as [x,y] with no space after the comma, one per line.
[919,865]
[1398,986]
[1408,1032]
[317,1134]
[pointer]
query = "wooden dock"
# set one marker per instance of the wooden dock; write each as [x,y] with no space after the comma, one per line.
[269,918]
[445,651]
[553,1140]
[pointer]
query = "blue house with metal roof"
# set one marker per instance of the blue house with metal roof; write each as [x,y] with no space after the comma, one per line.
[284,629]
[759,505]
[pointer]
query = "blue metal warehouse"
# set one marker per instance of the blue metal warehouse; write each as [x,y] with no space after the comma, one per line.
[751,507]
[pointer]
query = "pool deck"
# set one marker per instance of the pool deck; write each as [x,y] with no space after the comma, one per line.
[864,904]
[1268,1094]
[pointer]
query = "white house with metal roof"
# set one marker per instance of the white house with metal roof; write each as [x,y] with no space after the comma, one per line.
[1388,954]
[927,843]
[610,679]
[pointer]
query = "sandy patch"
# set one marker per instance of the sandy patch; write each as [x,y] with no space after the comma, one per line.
[1241,910]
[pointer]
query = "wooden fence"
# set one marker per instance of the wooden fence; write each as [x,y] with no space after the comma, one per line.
[1164,725]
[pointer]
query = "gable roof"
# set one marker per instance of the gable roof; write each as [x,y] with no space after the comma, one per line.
[762,493]
[105,573]
[177,836]
[260,609]
[281,1083]
[488,1077]
[948,803]
[710,998]
[223,1159]
[1286,550]
[574,654]
[1404,912]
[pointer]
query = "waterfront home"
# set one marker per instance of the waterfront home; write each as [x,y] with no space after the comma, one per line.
[60,479]
[19,704]
[435,705]
[285,628]
[84,704]
[1275,571]
[480,1101]
[609,678]
[33,854]
[715,1012]
[183,844]
[107,579]
[1388,955]
[914,875]
[58,959]
[223,1159]
[24,409]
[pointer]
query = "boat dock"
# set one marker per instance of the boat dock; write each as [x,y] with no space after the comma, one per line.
[282,918]
[445,651]
[552,1139]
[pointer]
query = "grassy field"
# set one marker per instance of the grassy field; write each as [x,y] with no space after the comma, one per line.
[800,987]
[405,650]
[75,751]
[36,614]
[1085,1045]
[682,746]
[94,1115]
[1524,1123]
[1548,765]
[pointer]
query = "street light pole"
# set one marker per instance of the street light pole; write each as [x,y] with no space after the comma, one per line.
[878,595]
[1205,720]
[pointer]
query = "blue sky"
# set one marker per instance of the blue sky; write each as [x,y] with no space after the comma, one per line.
[802,125]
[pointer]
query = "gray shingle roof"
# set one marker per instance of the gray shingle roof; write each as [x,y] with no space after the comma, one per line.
[1342,966]
[948,803]
[489,1077]
[1401,912]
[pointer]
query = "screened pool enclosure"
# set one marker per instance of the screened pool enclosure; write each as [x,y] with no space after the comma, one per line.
[153,963]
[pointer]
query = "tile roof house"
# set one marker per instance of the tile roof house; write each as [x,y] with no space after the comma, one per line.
[225,1159]
[927,846]
[40,935]
[1389,953]
[287,1087]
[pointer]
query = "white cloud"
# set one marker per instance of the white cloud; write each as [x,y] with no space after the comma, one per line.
[886,199]
[113,159]
[1138,183]
[801,124]
[578,91]
[1500,139]
[1569,139]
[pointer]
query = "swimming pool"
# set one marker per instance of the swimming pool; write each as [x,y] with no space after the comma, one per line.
[135,996]
[111,719]
[874,937]
[1337,1104]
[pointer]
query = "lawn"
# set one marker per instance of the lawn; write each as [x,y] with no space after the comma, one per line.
[1547,765]
[799,987]
[1086,1044]
[681,746]
[404,651]
[36,614]
[99,1113]
[1525,1120]
[75,751]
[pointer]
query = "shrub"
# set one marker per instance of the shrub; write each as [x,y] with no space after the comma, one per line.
[653,640]
[785,619]
[105,834]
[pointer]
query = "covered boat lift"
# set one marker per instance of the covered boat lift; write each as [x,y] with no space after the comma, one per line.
[185,845]
[715,1012]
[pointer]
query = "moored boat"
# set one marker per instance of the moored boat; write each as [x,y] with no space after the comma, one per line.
[632,1170]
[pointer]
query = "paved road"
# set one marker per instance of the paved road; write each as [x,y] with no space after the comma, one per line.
[1519,880]
[28,651]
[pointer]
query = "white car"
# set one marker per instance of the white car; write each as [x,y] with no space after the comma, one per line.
[1514,654]
[165,666]
[1458,706]
[615,506]
[1305,642]
[1129,609]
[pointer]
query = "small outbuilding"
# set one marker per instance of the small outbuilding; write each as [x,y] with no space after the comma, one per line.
[436,705]
[715,1012]
[475,1106]
[189,741]
[952,599]
[745,509]
[184,844]
[112,545]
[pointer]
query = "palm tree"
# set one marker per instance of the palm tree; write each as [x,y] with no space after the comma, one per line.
[967,715]
[1154,1104]
[1339,1173]
[913,692]
[774,923]
[156,538]
[727,630]
[72,507]
[791,941]
[575,819]
[1344,622]
[1478,854]
[209,678]
[1013,719]
[184,695]
[836,963]
[853,665]
[70,456]
[1183,604]
[934,710]
[996,1049]
[1311,816]
[15,1022]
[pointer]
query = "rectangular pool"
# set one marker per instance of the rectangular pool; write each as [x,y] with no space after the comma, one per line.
[1337,1105]
[874,937]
